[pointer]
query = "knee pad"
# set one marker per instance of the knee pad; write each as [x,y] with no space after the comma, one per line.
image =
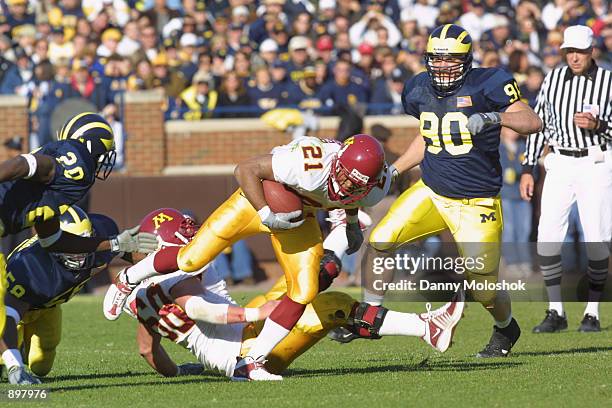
[366,320]
[329,269]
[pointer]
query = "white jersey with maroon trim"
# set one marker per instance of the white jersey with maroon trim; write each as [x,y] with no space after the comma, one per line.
[215,346]
[305,165]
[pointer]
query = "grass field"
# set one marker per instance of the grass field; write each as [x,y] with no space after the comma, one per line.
[98,366]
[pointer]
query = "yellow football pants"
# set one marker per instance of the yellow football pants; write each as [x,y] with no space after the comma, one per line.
[298,250]
[40,331]
[3,286]
[327,311]
[476,225]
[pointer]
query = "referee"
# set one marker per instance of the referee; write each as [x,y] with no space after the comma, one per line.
[575,104]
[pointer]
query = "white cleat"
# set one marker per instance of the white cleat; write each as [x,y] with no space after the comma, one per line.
[440,323]
[20,376]
[250,369]
[115,297]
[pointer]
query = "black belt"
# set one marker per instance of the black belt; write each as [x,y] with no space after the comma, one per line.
[575,152]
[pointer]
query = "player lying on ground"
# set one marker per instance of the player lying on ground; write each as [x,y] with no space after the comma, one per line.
[39,282]
[325,174]
[161,305]
[36,188]
[461,112]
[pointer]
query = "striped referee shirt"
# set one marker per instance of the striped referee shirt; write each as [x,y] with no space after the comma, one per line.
[562,95]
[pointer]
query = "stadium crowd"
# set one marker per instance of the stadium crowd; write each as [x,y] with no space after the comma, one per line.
[237,58]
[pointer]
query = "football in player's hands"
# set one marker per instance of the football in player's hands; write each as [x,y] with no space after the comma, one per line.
[280,199]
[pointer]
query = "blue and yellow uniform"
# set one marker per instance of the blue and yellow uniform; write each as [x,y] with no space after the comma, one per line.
[42,280]
[461,173]
[24,203]
[85,150]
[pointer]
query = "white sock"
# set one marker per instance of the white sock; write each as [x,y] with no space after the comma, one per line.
[372,299]
[11,358]
[505,323]
[271,334]
[592,308]
[558,306]
[336,241]
[141,271]
[402,324]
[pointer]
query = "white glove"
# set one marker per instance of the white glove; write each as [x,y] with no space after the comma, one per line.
[478,121]
[131,240]
[394,173]
[280,220]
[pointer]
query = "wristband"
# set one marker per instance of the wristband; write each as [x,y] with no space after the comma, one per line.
[114,244]
[32,164]
[251,314]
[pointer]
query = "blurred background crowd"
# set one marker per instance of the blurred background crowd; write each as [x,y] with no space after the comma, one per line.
[239,58]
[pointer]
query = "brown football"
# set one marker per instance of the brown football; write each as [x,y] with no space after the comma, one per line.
[280,199]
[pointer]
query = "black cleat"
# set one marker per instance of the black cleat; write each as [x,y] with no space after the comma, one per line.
[589,324]
[501,341]
[552,323]
[343,335]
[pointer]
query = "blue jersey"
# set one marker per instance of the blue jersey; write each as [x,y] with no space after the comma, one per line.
[38,278]
[24,203]
[457,164]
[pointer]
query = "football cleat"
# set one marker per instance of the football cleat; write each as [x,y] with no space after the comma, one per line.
[440,324]
[343,335]
[250,369]
[502,341]
[552,323]
[115,297]
[589,323]
[18,375]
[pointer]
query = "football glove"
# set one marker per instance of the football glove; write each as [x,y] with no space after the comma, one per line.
[190,369]
[478,121]
[131,240]
[354,237]
[280,220]
[394,173]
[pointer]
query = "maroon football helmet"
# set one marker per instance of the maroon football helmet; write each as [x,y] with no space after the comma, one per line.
[171,226]
[361,161]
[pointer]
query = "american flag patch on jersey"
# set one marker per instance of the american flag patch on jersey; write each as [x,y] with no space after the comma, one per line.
[464,101]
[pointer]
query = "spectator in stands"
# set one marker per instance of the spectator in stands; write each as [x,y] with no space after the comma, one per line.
[110,43]
[426,13]
[85,85]
[490,59]
[388,97]
[304,94]
[518,63]
[15,15]
[129,43]
[16,78]
[44,94]
[187,55]
[474,20]
[551,58]
[264,93]
[268,51]
[142,78]
[341,91]
[60,47]
[365,30]
[233,97]
[298,57]
[111,114]
[200,99]
[171,81]
[115,78]
[531,87]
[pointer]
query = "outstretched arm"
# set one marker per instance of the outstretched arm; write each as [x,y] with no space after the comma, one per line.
[149,345]
[37,167]
[521,118]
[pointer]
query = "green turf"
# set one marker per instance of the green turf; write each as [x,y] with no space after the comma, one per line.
[98,365]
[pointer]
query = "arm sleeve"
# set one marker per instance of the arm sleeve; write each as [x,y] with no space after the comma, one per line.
[536,141]
[501,91]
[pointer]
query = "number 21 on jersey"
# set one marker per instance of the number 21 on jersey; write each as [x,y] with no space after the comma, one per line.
[311,154]
[452,123]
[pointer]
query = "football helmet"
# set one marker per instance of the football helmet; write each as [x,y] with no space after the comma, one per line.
[448,58]
[360,161]
[94,132]
[76,221]
[172,227]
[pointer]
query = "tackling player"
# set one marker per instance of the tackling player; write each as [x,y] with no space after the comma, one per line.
[39,282]
[36,188]
[461,111]
[164,306]
[326,174]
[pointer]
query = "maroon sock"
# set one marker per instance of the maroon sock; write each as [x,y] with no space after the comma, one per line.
[165,260]
[287,313]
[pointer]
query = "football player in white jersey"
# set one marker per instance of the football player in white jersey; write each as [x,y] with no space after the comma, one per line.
[326,174]
[198,313]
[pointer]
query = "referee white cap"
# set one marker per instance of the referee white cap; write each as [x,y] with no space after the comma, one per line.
[577,36]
